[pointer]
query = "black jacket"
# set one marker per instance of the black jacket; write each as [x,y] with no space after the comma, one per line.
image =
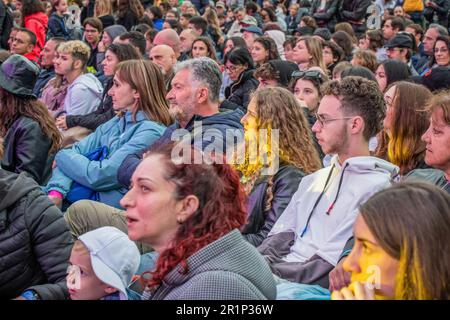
[238,93]
[353,11]
[327,17]
[35,241]
[91,121]
[260,222]
[26,150]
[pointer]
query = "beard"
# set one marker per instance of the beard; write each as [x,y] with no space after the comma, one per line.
[338,142]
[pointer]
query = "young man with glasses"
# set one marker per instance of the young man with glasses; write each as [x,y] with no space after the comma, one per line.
[305,243]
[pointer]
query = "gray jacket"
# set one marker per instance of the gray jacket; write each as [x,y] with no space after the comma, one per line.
[227,269]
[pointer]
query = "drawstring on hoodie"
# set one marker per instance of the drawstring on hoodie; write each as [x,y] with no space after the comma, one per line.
[338,190]
[321,195]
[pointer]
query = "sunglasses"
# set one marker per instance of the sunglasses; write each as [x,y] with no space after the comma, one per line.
[307,74]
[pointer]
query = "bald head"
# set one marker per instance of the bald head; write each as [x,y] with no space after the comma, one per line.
[187,37]
[170,38]
[163,56]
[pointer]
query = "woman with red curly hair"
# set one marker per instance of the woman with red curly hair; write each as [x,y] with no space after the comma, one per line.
[191,215]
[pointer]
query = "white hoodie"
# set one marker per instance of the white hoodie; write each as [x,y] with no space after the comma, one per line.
[83,95]
[326,234]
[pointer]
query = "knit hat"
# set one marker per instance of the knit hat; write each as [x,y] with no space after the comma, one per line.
[324,33]
[115,31]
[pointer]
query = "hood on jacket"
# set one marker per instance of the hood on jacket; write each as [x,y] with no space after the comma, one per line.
[284,70]
[89,81]
[279,38]
[227,254]
[39,16]
[13,187]
[359,165]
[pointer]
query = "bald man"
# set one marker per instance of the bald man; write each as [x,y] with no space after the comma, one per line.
[170,38]
[164,56]
[187,37]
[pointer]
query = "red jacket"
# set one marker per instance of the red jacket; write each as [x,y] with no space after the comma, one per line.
[37,23]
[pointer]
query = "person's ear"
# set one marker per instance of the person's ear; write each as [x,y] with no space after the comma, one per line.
[136,94]
[187,207]
[78,64]
[202,95]
[357,125]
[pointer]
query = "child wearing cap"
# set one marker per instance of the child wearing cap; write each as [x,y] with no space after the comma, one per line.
[103,263]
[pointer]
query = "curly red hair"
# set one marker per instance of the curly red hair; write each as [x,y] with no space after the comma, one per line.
[222,208]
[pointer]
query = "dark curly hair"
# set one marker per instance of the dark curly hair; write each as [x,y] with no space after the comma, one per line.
[359,97]
[222,208]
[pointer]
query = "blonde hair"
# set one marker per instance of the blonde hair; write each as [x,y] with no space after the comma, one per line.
[315,50]
[146,78]
[102,8]
[77,49]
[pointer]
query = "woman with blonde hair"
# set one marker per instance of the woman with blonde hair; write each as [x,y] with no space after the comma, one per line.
[88,170]
[271,183]
[309,53]
[405,122]
[104,11]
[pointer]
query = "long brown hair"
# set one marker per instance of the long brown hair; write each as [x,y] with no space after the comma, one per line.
[411,222]
[145,77]
[207,41]
[13,107]
[403,145]
[315,49]
[277,108]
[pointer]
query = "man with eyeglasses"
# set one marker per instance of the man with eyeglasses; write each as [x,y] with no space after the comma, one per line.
[23,43]
[401,47]
[306,242]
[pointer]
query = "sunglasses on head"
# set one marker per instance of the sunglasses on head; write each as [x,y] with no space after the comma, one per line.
[307,74]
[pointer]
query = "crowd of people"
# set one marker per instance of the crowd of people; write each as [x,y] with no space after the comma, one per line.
[224,150]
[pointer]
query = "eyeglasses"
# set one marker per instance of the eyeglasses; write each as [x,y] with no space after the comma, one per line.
[442,50]
[307,74]
[322,121]
[232,68]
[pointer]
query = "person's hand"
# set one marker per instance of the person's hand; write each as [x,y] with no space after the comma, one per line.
[355,291]
[101,46]
[338,277]
[19,298]
[57,201]
[61,123]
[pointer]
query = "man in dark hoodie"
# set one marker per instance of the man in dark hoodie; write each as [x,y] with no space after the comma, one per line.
[35,242]
[194,103]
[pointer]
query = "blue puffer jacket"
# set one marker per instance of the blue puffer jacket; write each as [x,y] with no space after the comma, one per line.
[121,136]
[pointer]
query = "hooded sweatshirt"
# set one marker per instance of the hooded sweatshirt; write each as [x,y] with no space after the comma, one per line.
[279,38]
[323,231]
[35,241]
[284,71]
[37,23]
[83,95]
